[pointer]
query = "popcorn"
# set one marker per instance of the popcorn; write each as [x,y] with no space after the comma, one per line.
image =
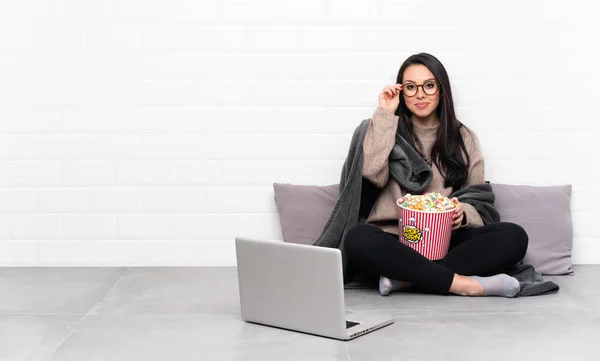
[428,202]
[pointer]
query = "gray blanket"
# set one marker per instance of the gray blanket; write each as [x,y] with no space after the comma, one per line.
[414,175]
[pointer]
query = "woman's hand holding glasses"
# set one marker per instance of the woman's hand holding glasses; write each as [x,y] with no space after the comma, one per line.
[389,98]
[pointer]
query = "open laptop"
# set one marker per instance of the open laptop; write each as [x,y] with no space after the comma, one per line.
[298,287]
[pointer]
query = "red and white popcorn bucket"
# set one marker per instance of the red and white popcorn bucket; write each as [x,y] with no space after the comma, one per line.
[426,232]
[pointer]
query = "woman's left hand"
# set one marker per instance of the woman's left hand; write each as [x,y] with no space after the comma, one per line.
[458,214]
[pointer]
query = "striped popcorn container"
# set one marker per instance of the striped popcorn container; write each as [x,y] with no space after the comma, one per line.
[426,232]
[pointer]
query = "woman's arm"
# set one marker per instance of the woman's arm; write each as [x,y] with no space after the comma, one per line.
[379,141]
[476,176]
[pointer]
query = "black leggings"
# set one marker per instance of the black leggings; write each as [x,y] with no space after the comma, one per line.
[480,251]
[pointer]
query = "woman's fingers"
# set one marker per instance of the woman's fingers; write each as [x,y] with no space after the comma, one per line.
[458,217]
[392,89]
[459,208]
[387,92]
[456,223]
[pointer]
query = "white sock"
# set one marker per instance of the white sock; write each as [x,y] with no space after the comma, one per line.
[387,286]
[498,285]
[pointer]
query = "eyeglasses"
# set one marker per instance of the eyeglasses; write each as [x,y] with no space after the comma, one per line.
[430,87]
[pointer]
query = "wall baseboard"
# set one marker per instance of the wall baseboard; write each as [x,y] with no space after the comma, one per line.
[134,253]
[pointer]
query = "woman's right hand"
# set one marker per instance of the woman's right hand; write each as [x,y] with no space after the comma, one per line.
[389,98]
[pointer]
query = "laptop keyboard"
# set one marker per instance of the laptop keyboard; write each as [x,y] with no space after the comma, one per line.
[351,324]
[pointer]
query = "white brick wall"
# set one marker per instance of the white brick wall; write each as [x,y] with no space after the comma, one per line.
[149,132]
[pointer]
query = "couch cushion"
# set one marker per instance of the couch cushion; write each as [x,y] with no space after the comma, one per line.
[304,210]
[545,213]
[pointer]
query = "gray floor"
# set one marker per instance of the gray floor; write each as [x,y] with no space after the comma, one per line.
[193,314]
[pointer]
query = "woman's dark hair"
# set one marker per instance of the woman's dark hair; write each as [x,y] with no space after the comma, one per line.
[446,152]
